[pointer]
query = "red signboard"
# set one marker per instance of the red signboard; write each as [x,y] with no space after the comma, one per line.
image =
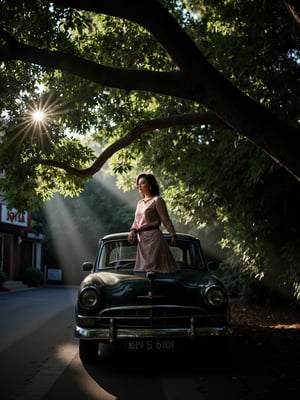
[13,217]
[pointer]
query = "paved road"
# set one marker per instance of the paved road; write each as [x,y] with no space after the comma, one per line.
[36,325]
[39,360]
[23,311]
[39,357]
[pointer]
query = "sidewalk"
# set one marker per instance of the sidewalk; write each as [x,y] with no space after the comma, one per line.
[12,286]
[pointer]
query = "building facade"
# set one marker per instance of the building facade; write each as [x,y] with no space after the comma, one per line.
[19,248]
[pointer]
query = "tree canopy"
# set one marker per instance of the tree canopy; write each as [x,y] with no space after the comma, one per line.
[204,93]
[77,50]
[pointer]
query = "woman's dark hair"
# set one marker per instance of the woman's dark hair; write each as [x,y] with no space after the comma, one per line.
[152,182]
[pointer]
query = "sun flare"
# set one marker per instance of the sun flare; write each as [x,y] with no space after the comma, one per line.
[38,115]
[40,121]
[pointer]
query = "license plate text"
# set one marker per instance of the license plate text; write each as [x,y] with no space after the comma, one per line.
[151,345]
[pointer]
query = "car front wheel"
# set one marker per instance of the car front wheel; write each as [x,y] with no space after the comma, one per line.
[88,350]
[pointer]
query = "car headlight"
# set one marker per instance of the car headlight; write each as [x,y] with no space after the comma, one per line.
[215,296]
[89,297]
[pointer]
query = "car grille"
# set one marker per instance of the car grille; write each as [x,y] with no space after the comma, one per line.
[159,317]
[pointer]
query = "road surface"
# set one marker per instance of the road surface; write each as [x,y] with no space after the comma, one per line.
[39,360]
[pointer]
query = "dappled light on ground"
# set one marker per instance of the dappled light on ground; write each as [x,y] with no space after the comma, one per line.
[264,316]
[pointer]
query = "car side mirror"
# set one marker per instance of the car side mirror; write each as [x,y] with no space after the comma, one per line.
[213,265]
[87,266]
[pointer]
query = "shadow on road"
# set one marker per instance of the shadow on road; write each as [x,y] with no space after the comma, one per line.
[260,363]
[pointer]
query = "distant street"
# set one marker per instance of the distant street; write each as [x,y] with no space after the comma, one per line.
[36,326]
[22,312]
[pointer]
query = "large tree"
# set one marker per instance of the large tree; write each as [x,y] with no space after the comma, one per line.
[203,93]
[66,37]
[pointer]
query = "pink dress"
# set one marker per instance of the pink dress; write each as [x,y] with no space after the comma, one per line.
[153,253]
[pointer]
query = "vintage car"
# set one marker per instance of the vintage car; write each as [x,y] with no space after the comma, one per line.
[148,311]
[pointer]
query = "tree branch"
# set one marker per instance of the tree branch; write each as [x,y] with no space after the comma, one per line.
[133,134]
[168,83]
[293,8]
[157,20]
[197,80]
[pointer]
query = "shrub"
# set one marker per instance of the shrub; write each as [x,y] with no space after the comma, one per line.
[236,281]
[33,276]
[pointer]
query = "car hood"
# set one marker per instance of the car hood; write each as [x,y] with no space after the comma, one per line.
[127,288]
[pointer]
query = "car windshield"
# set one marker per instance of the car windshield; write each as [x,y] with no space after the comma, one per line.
[119,253]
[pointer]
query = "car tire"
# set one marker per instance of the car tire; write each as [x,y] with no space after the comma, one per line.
[88,351]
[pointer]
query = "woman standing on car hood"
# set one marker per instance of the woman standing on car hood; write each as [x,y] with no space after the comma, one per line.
[153,253]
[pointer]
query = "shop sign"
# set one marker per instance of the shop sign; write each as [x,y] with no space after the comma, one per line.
[13,217]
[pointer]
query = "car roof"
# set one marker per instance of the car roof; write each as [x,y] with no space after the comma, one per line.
[124,235]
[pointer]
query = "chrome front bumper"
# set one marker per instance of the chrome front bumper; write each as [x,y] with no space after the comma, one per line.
[112,334]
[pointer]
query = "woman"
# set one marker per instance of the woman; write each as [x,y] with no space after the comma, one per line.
[153,253]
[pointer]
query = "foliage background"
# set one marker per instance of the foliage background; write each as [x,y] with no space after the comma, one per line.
[213,180]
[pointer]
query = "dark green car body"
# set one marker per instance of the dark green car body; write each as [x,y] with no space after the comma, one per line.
[148,311]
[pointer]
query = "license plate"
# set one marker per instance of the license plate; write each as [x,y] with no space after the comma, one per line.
[151,345]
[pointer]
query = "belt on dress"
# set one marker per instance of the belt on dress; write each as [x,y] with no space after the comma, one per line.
[147,228]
